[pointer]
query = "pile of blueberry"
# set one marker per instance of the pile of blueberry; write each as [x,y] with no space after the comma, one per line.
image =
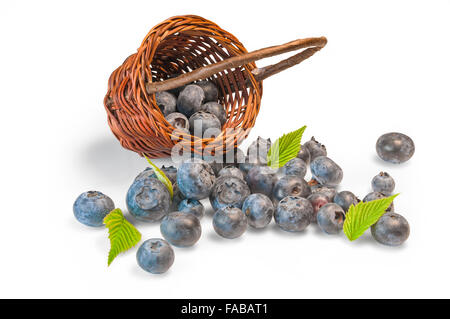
[248,193]
[191,106]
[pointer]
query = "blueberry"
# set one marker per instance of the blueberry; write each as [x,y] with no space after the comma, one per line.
[195,178]
[304,155]
[228,191]
[326,172]
[204,122]
[377,195]
[246,166]
[181,229]
[178,121]
[170,171]
[261,179]
[229,222]
[215,163]
[146,173]
[258,149]
[167,102]
[190,100]
[91,207]
[231,171]
[345,199]
[391,229]
[395,147]
[317,200]
[148,199]
[293,214]
[291,185]
[330,218]
[210,90]
[383,183]
[192,206]
[155,256]
[259,210]
[295,166]
[315,148]
[216,109]
[327,191]
[177,197]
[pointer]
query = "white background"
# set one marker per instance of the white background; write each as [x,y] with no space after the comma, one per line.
[386,68]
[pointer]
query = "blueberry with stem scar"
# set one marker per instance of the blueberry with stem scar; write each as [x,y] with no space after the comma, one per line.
[148,199]
[228,191]
[315,148]
[291,185]
[293,214]
[155,256]
[383,183]
[90,208]
[178,121]
[330,218]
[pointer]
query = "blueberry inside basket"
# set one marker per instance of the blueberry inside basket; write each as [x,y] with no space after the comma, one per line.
[183,50]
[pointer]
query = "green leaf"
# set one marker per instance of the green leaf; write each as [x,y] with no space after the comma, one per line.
[161,176]
[285,148]
[360,217]
[122,234]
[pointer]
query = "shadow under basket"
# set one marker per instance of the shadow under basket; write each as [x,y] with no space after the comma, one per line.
[183,50]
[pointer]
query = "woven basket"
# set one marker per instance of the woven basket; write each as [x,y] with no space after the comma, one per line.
[197,49]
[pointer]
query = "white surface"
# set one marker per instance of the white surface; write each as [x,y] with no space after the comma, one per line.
[385,68]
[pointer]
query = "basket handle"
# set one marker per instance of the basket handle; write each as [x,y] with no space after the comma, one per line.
[312,45]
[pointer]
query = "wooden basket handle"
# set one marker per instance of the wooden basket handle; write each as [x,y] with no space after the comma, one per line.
[312,45]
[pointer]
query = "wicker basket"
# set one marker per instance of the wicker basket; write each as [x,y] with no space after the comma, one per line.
[197,49]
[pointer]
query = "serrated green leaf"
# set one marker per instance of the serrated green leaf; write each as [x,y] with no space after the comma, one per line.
[360,217]
[285,148]
[122,234]
[161,176]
